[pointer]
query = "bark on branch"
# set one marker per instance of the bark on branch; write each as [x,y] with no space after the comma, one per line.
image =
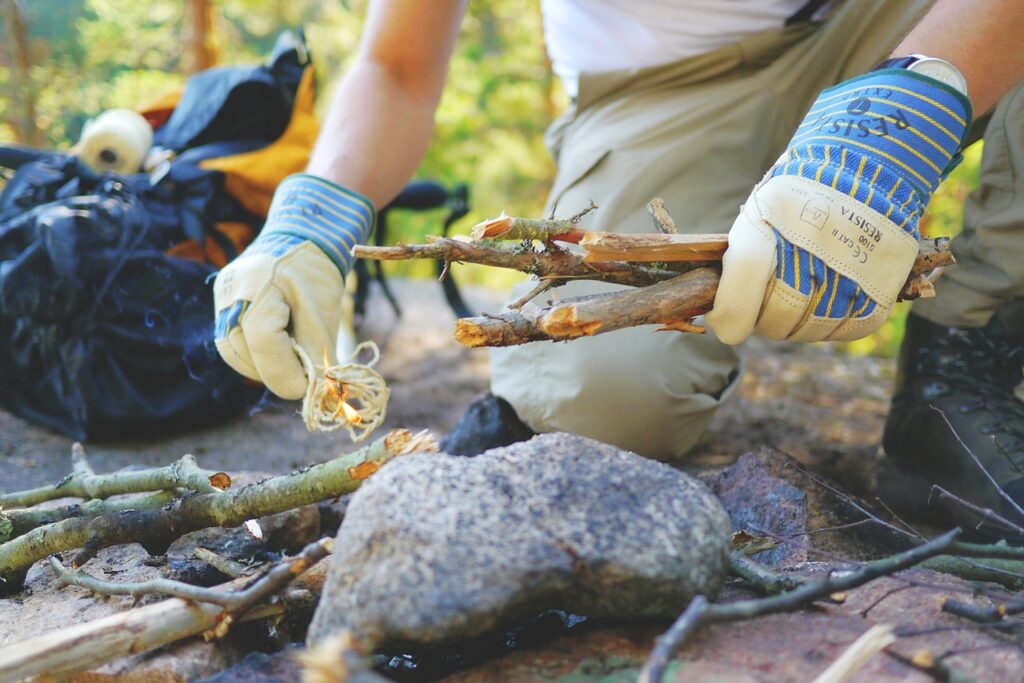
[155,529]
[651,262]
[672,304]
[84,483]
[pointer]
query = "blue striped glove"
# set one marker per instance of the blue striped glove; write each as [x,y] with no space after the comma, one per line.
[826,240]
[289,283]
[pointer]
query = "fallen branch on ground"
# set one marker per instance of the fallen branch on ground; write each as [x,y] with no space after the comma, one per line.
[84,483]
[235,603]
[25,520]
[155,529]
[765,579]
[702,613]
[85,646]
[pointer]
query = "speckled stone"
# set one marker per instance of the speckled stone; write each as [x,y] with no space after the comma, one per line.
[436,548]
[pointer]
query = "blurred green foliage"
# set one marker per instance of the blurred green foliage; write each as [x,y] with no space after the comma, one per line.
[91,55]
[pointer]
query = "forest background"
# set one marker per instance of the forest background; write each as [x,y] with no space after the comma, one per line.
[63,62]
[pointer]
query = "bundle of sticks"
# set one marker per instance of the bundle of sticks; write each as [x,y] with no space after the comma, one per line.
[672,277]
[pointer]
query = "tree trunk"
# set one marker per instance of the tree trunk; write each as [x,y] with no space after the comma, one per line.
[199,35]
[25,129]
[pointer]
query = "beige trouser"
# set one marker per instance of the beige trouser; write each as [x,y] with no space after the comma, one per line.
[700,133]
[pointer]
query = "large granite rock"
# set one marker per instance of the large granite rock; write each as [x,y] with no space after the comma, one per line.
[436,548]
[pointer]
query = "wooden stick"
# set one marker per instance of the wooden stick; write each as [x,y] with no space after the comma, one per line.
[855,657]
[605,246]
[88,645]
[25,520]
[84,483]
[672,303]
[668,248]
[548,264]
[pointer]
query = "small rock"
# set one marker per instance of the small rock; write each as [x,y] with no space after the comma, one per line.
[769,492]
[436,548]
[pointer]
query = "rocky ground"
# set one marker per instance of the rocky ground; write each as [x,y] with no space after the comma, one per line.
[810,403]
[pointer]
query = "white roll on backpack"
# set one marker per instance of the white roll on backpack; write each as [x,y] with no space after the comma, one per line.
[117,141]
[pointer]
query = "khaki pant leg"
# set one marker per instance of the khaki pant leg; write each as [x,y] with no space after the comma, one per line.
[700,141]
[650,392]
[990,250]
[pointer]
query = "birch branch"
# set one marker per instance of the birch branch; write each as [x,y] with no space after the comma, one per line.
[84,483]
[20,522]
[155,529]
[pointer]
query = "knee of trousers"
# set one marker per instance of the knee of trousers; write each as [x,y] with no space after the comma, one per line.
[649,392]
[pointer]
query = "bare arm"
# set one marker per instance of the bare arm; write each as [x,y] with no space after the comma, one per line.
[382,116]
[982,39]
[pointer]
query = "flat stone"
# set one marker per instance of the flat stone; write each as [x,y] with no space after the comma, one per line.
[768,492]
[437,548]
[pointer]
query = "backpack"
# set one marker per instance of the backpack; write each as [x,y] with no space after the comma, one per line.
[106,303]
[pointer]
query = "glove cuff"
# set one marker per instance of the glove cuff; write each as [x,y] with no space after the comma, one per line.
[311,208]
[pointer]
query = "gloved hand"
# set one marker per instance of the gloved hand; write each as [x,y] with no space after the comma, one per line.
[289,283]
[826,240]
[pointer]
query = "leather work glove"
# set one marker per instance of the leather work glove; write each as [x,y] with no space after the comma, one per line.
[289,283]
[826,240]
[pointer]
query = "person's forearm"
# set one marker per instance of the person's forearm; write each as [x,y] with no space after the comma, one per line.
[375,134]
[382,117]
[982,39]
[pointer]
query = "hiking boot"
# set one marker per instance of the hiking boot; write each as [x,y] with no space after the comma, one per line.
[955,395]
[489,422]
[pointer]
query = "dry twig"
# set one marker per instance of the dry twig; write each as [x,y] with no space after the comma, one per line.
[85,646]
[702,613]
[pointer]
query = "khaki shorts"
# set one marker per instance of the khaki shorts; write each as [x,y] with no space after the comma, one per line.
[700,133]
